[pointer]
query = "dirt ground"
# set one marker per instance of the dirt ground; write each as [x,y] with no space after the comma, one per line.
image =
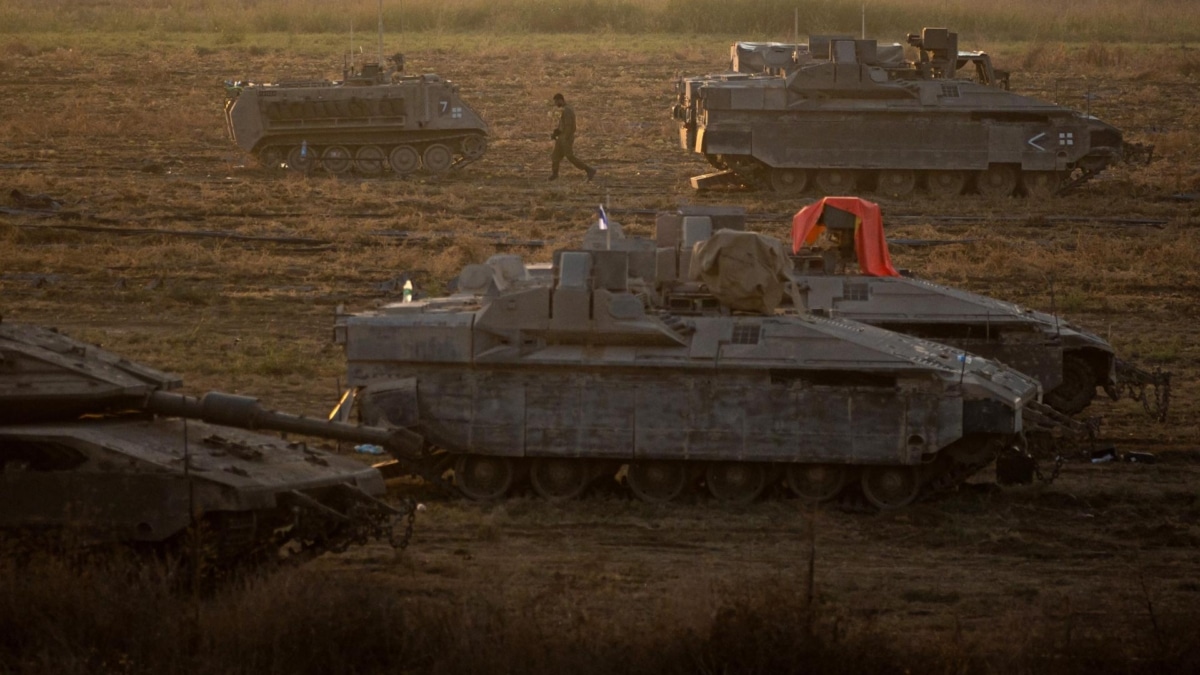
[128,137]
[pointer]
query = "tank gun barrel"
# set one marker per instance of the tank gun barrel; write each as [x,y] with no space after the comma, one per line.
[246,412]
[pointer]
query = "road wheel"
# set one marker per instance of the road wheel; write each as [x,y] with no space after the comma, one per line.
[557,479]
[474,146]
[945,183]
[271,158]
[657,481]
[1078,387]
[891,487]
[836,181]
[997,181]
[789,181]
[336,160]
[301,159]
[437,158]
[736,482]
[1040,184]
[483,478]
[816,482]
[404,160]
[897,182]
[369,161]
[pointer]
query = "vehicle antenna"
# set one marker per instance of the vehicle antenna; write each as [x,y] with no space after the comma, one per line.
[1053,308]
[796,25]
[603,210]
[380,32]
[337,387]
[603,225]
[348,58]
[864,21]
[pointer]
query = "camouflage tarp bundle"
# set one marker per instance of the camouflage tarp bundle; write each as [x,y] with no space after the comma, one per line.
[754,276]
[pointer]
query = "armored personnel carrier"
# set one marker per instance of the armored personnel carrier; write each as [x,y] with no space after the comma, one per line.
[96,449]
[841,260]
[374,121]
[615,362]
[840,114]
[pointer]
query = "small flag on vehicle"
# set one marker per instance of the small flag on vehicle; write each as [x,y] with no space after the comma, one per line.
[603,218]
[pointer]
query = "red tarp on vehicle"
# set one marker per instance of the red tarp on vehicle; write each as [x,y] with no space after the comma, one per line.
[869,243]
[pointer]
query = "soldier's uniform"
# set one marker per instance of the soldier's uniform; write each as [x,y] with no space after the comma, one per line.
[564,143]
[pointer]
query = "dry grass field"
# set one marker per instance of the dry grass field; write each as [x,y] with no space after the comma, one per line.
[173,248]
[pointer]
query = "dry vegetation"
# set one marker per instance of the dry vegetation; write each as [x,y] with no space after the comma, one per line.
[1151,21]
[983,583]
[114,109]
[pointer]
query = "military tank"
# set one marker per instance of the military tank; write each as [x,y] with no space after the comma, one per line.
[839,115]
[96,449]
[841,259]
[374,121]
[614,363]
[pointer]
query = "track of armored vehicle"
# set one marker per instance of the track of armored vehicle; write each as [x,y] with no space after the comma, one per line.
[838,115]
[373,122]
[616,364]
[96,449]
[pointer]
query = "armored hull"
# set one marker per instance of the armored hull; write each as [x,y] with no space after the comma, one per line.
[849,116]
[844,276]
[578,374]
[1068,361]
[97,449]
[370,123]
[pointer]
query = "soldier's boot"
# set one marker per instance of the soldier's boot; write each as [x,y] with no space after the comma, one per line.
[591,173]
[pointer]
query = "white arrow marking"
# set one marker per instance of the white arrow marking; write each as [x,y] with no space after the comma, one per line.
[1033,141]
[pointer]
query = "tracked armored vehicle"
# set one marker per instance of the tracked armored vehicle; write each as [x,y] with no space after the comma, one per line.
[839,114]
[372,122]
[96,449]
[841,260]
[615,362]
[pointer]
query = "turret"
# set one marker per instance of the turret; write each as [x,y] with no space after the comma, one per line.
[98,447]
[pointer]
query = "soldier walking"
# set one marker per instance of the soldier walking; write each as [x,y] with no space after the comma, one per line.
[564,140]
